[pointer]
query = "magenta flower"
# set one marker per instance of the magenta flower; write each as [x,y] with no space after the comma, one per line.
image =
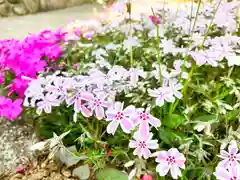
[79,99]
[232,173]
[170,160]
[2,78]
[144,120]
[230,158]
[98,104]
[143,144]
[119,116]
[155,20]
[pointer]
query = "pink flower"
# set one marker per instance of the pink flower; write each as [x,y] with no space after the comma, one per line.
[2,78]
[98,104]
[170,160]
[233,173]
[79,100]
[210,57]
[162,94]
[119,116]
[231,157]
[20,170]
[147,177]
[143,144]
[144,120]
[155,20]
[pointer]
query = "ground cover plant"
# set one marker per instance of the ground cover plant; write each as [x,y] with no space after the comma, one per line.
[154,95]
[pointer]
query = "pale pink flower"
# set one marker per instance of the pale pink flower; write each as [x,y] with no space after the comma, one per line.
[176,87]
[143,145]
[203,57]
[119,116]
[171,160]
[134,74]
[79,99]
[162,94]
[144,120]
[98,104]
[46,104]
[232,173]
[231,157]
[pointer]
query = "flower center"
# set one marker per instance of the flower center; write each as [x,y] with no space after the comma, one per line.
[97,102]
[233,157]
[234,178]
[119,116]
[171,160]
[142,144]
[144,116]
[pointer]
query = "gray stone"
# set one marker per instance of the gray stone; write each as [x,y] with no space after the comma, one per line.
[19,10]
[32,6]
[13,1]
[2,1]
[5,9]
[52,4]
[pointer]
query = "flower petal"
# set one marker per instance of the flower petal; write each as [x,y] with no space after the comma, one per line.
[144,129]
[133,144]
[175,171]
[126,125]
[146,153]
[154,122]
[99,112]
[118,106]
[153,144]
[162,168]
[112,127]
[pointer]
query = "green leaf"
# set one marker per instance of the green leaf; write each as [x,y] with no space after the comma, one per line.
[169,136]
[83,172]
[110,174]
[68,158]
[173,120]
[207,118]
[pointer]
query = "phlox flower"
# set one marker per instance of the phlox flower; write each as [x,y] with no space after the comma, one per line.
[232,173]
[144,119]
[230,158]
[131,42]
[203,57]
[162,94]
[119,116]
[1,78]
[79,99]
[171,160]
[175,87]
[134,74]
[143,145]
[46,104]
[155,20]
[98,104]
[116,73]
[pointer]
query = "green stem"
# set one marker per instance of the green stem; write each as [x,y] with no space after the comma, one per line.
[159,58]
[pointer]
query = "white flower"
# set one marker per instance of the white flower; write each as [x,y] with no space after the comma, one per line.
[135,73]
[131,42]
[143,145]
[170,160]
[232,173]
[175,87]
[233,60]
[117,73]
[46,104]
[162,94]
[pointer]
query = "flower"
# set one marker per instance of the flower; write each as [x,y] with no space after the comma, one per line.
[170,160]
[116,73]
[231,157]
[79,99]
[144,119]
[46,104]
[117,115]
[232,173]
[98,104]
[162,94]
[134,74]
[155,20]
[175,87]
[146,177]
[143,144]
[131,42]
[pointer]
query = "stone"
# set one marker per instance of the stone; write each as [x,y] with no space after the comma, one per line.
[32,6]
[52,166]
[39,175]
[52,4]
[5,9]
[19,10]
[1,1]
[16,177]
[66,173]
[56,176]
[13,1]
[82,172]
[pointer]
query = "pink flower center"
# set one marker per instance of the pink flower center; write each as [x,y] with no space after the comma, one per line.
[119,116]
[142,144]
[97,102]
[144,116]
[232,157]
[171,160]
[234,178]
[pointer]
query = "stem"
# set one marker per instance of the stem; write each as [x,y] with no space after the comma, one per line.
[196,17]
[184,90]
[159,58]
[130,33]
